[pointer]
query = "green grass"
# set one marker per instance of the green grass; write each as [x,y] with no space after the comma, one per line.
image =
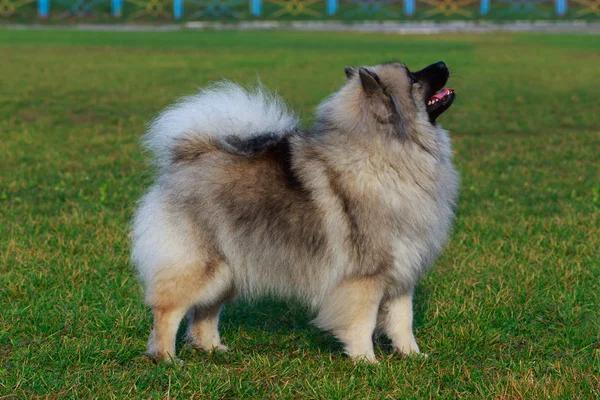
[511,310]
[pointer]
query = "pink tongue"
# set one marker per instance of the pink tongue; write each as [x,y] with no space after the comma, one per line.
[443,93]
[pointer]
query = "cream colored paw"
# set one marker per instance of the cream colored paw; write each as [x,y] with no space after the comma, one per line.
[220,347]
[366,358]
[406,347]
[162,357]
[209,346]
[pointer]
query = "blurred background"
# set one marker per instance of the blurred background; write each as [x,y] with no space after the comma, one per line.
[112,11]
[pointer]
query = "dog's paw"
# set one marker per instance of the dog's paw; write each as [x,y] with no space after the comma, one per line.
[220,347]
[164,358]
[367,358]
[210,347]
[407,347]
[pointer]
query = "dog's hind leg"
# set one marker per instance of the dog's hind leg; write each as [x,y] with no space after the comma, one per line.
[396,319]
[351,314]
[179,290]
[203,328]
[161,344]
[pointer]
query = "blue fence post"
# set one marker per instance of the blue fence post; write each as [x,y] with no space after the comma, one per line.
[409,8]
[255,7]
[116,7]
[332,6]
[561,7]
[43,8]
[484,8]
[177,9]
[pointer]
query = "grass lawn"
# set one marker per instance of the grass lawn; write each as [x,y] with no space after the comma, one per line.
[511,310]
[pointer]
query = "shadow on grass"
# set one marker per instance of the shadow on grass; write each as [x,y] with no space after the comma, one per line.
[419,306]
[268,325]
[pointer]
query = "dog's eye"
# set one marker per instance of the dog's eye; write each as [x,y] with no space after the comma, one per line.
[412,79]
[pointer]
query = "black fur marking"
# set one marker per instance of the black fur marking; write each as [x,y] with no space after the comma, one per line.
[370,81]
[282,151]
[397,119]
[433,78]
[251,145]
[355,234]
[268,144]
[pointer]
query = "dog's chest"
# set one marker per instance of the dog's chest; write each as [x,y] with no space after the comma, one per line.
[412,206]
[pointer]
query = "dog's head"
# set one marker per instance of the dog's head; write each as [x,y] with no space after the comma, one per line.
[390,94]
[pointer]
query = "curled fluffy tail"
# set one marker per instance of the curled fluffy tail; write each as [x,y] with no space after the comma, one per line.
[218,111]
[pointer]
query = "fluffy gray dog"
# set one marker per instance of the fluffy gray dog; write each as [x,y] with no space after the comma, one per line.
[346,216]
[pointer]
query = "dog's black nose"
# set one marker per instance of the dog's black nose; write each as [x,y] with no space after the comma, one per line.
[441,65]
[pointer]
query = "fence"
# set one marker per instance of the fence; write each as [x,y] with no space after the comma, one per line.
[107,10]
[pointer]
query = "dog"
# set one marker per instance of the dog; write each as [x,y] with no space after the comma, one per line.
[345,216]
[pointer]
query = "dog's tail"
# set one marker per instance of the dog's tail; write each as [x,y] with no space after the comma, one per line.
[218,112]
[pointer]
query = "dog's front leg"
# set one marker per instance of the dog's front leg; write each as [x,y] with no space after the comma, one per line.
[350,312]
[396,319]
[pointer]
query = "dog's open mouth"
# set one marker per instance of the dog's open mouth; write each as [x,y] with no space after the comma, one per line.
[440,102]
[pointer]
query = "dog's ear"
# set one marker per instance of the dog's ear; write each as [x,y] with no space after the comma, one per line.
[369,80]
[350,72]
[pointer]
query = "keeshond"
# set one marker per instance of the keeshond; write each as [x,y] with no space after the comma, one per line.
[346,215]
